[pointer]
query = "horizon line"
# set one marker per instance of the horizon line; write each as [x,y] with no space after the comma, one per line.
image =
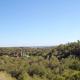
[40,45]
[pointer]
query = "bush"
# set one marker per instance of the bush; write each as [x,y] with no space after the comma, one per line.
[36,69]
[24,76]
[5,76]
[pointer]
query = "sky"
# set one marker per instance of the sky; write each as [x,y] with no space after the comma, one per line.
[39,22]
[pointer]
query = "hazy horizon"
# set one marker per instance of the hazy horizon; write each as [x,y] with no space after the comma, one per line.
[41,45]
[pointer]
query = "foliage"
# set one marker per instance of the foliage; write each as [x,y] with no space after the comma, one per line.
[48,63]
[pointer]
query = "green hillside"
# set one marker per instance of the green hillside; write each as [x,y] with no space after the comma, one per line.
[60,62]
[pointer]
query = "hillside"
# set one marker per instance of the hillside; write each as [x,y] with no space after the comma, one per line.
[60,62]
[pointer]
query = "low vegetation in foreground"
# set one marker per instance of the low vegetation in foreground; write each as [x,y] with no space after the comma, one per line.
[48,63]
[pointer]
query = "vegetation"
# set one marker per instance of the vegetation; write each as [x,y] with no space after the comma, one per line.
[48,63]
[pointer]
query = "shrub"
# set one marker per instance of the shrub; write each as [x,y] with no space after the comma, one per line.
[5,76]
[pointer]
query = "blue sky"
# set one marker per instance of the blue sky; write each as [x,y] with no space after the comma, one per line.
[39,22]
